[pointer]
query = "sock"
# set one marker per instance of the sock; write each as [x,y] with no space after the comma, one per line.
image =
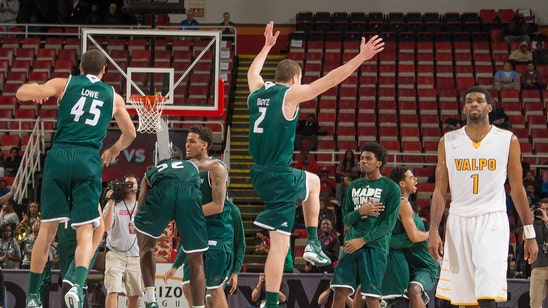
[34,282]
[80,275]
[312,233]
[150,294]
[271,299]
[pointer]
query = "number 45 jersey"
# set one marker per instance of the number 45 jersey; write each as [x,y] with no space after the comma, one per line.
[477,171]
[271,134]
[85,111]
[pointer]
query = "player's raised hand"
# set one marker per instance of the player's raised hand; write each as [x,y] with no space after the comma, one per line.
[370,48]
[269,36]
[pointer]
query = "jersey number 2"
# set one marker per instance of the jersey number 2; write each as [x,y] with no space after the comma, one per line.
[78,110]
[256,128]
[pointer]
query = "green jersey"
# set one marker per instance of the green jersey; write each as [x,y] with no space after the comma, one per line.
[219,226]
[375,231]
[239,237]
[271,134]
[84,112]
[181,171]
[418,255]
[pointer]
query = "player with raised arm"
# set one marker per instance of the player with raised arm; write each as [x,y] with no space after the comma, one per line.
[273,109]
[72,170]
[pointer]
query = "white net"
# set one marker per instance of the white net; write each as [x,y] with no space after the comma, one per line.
[149,109]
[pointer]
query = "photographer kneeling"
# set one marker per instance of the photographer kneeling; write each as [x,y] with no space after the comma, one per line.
[122,268]
[539,272]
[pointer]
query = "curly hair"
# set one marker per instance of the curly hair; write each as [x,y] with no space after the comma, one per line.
[205,134]
[380,152]
[397,174]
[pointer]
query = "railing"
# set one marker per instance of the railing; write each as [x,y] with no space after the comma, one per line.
[34,30]
[30,162]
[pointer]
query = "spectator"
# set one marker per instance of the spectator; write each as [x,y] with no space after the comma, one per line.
[532,196]
[10,253]
[326,212]
[31,215]
[9,10]
[8,215]
[327,185]
[538,282]
[4,190]
[530,178]
[258,296]
[307,163]
[262,243]
[507,78]
[1,164]
[112,17]
[532,79]
[227,26]
[94,16]
[346,164]
[78,12]
[308,129]
[12,162]
[518,30]
[189,23]
[122,270]
[28,244]
[540,55]
[325,299]
[330,245]
[341,187]
[522,54]
[451,124]
[299,216]
[498,117]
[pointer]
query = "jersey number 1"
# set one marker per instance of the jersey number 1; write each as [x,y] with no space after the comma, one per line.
[475,178]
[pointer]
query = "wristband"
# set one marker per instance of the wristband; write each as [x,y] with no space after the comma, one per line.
[529,232]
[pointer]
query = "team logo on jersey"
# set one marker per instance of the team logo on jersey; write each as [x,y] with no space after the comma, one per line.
[366,194]
[475,164]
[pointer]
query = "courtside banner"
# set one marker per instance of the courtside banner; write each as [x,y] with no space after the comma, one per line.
[304,290]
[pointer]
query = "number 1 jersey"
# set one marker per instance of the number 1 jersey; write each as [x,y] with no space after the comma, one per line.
[477,171]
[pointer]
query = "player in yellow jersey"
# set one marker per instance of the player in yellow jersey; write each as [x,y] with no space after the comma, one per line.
[474,161]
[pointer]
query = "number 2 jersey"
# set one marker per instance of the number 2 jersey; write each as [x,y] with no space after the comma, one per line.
[271,134]
[477,171]
[85,111]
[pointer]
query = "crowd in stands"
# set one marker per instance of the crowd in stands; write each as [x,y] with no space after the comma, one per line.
[334,179]
[69,12]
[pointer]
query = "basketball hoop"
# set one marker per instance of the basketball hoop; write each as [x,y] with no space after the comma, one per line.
[149,109]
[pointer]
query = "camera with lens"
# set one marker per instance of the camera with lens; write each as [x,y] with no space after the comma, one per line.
[118,190]
[537,212]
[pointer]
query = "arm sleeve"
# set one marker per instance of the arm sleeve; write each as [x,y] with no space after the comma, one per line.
[389,216]
[350,215]
[239,241]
